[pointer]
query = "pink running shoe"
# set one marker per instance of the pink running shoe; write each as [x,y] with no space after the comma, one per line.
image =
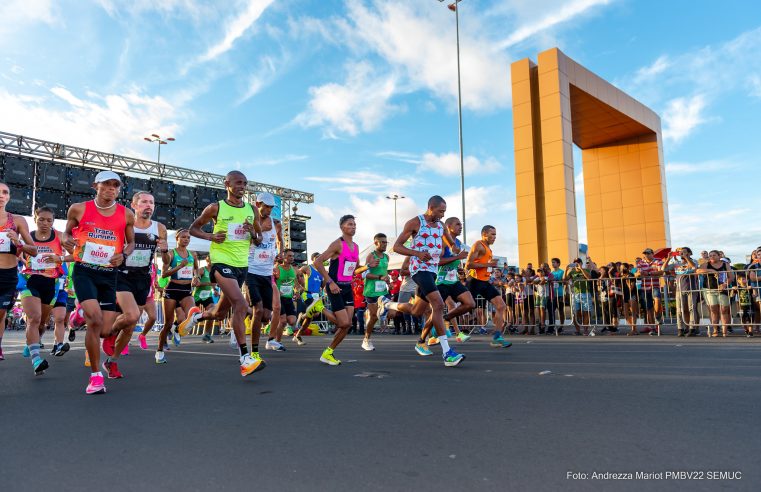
[143,341]
[125,350]
[77,318]
[108,345]
[96,385]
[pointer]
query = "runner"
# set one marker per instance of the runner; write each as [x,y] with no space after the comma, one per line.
[480,264]
[286,281]
[133,282]
[450,287]
[235,221]
[203,294]
[149,308]
[312,297]
[41,272]
[99,233]
[60,313]
[376,285]
[343,254]
[428,237]
[180,266]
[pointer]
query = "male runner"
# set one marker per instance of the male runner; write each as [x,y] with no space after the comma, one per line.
[343,254]
[376,285]
[99,233]
[449,286]
[428,237]
[203,294]
[261,262]
[480,264]
[235,222]
[133,280]
[286,281]
[312,297]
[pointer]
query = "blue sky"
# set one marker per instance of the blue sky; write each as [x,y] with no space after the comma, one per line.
[356,99]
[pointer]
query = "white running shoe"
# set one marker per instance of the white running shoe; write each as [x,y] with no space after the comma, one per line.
[160,358]
[367,345]
[274,345]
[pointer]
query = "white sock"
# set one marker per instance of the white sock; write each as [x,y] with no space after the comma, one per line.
[444,343]
[97,374]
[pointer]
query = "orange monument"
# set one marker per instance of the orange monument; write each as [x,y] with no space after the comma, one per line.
[558,103]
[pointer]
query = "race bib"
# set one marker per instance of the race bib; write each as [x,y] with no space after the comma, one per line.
[139,258]
[489,269]
[286,290]
[349,267]
[264,255]
[38,262]
[5,243]
[185,273]
[236,232]
[380,286]
[451,276]
[204,294]
[98,254]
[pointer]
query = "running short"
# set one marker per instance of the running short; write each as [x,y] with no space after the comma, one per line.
[41,287]
[426,283]
[62,299]
[287,307]
[405,296]
[9,278]
[343,299]
[454,290]
[204,303]
[227,271]
[177,292]
[482,288]
[260,290]
[373,299]
[95,283]
[139,285]
[746,314]
[71,303]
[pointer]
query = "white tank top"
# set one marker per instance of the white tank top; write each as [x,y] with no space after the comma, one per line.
[428,239]
[261,259]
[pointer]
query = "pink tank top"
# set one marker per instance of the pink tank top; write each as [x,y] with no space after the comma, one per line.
[342,268]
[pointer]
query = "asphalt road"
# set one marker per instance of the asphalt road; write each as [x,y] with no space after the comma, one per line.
[390,420]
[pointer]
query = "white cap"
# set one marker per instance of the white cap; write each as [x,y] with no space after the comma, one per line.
[266,198]
[107,175]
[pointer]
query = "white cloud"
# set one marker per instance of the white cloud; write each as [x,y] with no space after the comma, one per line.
[360,104]
[648,73]
[364,182]
[449,164]
[682,168]
[682,115]
[754,81]
[17,14]
[235,28]
[192,8]
[261,78]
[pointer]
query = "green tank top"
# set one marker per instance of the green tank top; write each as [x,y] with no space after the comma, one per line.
[447,274]
[286,281]
[234,250]
[377,288]
[202,293]
[184,273]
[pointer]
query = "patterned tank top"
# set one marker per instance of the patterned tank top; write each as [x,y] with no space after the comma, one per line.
[428,239]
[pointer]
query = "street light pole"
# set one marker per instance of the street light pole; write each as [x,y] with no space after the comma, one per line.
[395,197]
[156,138]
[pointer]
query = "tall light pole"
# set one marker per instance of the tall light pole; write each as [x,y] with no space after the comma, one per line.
[395,197]
[157,139]
[453,7]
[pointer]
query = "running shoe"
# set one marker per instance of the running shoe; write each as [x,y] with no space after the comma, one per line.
[262,364]
[160,357]
[383,306]
[193,316]
[421,349]
[367,345]
[143,341]
[500,342]
[452,358]
[112,369]
[176,339]
[299,341]
[274,345]
[462,337]
[108,345]
[72,335]
[327,357]
[288,331]
[206,338]
[25,353]
[62,349]
[39,366]
[55,348]
[97,385]
[248,365]
[42,345]
[433,341]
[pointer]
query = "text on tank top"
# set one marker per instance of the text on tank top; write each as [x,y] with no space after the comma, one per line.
[98,237]
[428,239]
[377,287]
[483,273]
[447,274]
[234,250]
[261,257]
[286,281]
[139,261]
[313,281]
[184,273]
[6,245]
[36,265]
[342,268]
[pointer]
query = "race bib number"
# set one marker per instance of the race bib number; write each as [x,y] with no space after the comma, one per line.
[286,290]
[139,258]
[236,232]
[380,286]
[5,243]
[185,273]
[264,255]
[204,294]
[349,267]
[38,262]
[451,276]
[98,254]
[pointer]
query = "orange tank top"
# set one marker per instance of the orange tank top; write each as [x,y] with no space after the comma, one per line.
[99,238]
[483,273]
[35,265]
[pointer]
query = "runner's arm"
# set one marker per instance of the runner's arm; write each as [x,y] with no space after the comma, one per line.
[161,245]
[209,214]
[333,250]
[475,254]
[72,220]
[279,237]
[129,235]
[452,244]
[410,229]
[23,231]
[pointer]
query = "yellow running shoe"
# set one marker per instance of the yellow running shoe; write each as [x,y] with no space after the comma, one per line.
[248,365]
[257,357]
[189,321]
[327,357]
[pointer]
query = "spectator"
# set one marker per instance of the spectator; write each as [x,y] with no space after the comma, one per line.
[629,297]
[578,276]
[649,271]
[687,291]
[717,275]
[558,299]
[754,280]
[606,294]
[746,300]
[541,293]
[358,320]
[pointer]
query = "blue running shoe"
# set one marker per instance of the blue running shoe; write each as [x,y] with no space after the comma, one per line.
[421,349]
[500,342]
[26,352]
[176,339]
[39,366]
[452,358]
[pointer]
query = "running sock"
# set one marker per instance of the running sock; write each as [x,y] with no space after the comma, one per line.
[444,343]
[34,350]
[254,348]
[421,341]
[243,349]
[270,339]
[96,374]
